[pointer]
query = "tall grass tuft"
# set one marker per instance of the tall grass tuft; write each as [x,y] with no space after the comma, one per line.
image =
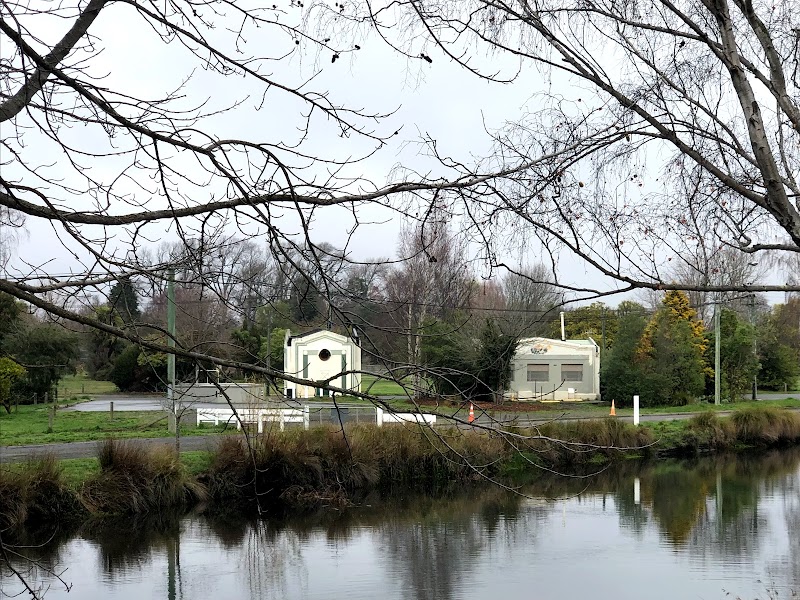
[766,426]
[136,479]
[323,466]
[35,494]
[566,443]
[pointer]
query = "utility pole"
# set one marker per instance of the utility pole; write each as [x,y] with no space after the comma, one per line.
[717,399]
[755,345]
[173,419]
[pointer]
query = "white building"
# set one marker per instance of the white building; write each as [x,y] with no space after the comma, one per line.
[545,369]
[320,355]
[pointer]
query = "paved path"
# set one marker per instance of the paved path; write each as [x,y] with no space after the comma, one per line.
[9,454]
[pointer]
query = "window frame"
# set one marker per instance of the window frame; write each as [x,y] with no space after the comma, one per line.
[574,370]
[544,368]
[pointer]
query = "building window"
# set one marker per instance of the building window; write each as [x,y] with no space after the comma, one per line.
[324,354]
[538,372]
[571,372]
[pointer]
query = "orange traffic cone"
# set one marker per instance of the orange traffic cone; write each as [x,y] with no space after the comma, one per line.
[471,413]
[613,412]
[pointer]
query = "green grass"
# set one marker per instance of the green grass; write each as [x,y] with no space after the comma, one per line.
[79,385]
[704,407]
[370,384]
[197,461]
[29,426]
[77,470]
[580,410]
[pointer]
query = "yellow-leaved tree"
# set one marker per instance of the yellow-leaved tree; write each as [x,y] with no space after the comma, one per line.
[672,350]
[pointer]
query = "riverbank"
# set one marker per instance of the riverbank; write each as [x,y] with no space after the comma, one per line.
[298,469]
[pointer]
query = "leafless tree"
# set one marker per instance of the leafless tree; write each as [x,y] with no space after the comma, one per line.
[725,266]
[691,118]
[660,115]
[431,281]
[530,298]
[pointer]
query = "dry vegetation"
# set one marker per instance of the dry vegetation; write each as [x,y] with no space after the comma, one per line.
[320,467]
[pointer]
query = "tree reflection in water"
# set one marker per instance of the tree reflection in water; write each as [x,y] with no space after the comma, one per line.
[713,509]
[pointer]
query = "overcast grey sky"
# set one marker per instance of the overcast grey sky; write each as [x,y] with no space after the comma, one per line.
[440,100]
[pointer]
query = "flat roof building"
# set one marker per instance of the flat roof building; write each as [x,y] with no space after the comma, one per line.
[547,369]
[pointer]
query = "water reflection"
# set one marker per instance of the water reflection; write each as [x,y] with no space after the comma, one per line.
[720,516]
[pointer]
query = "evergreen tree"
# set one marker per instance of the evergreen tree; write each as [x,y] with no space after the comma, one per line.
[621,375]
[779,362]
[596,321]
[305,303]
[738,362]
[492,360]
[47,351]
[123,300]
[672,351]
[477,368]
[102,348]
[10,310]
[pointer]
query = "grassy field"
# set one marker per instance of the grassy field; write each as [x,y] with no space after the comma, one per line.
[370,384]
[30,423]
[81,385]
[704,407]
[77,470]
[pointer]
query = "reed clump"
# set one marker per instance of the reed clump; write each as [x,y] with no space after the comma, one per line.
[323,465]
[565,443]
[762,426]
[766,426]
[136,479]
[35,493]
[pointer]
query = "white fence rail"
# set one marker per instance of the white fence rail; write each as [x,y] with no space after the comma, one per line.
[282,416]
[257,416]
[389,417]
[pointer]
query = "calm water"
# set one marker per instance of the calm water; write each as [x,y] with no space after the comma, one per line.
[702,529]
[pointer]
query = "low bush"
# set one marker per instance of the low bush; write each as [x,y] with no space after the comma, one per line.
[136,479]
[321,464]
[766,426]
[34,493]
[561,443]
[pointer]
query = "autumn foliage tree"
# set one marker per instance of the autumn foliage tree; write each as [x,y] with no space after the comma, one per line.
[672,350]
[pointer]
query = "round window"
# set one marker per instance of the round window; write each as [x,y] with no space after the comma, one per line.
[324,354]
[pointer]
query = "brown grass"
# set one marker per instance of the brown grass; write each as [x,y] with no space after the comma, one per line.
[563,444]
[319,467]
[35,493]
[135,479]
[322,465]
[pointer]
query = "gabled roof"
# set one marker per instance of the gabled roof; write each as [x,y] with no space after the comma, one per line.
[318,332]
[309,332]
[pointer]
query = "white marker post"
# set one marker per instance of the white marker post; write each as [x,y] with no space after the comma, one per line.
[636,410]
[637,490]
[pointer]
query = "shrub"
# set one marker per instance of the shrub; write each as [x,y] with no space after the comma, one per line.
[309,467]
[766,425]
[34,494]
[135,479]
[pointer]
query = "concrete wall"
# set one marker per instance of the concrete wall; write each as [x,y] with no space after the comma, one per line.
[552,355]
[208,393]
